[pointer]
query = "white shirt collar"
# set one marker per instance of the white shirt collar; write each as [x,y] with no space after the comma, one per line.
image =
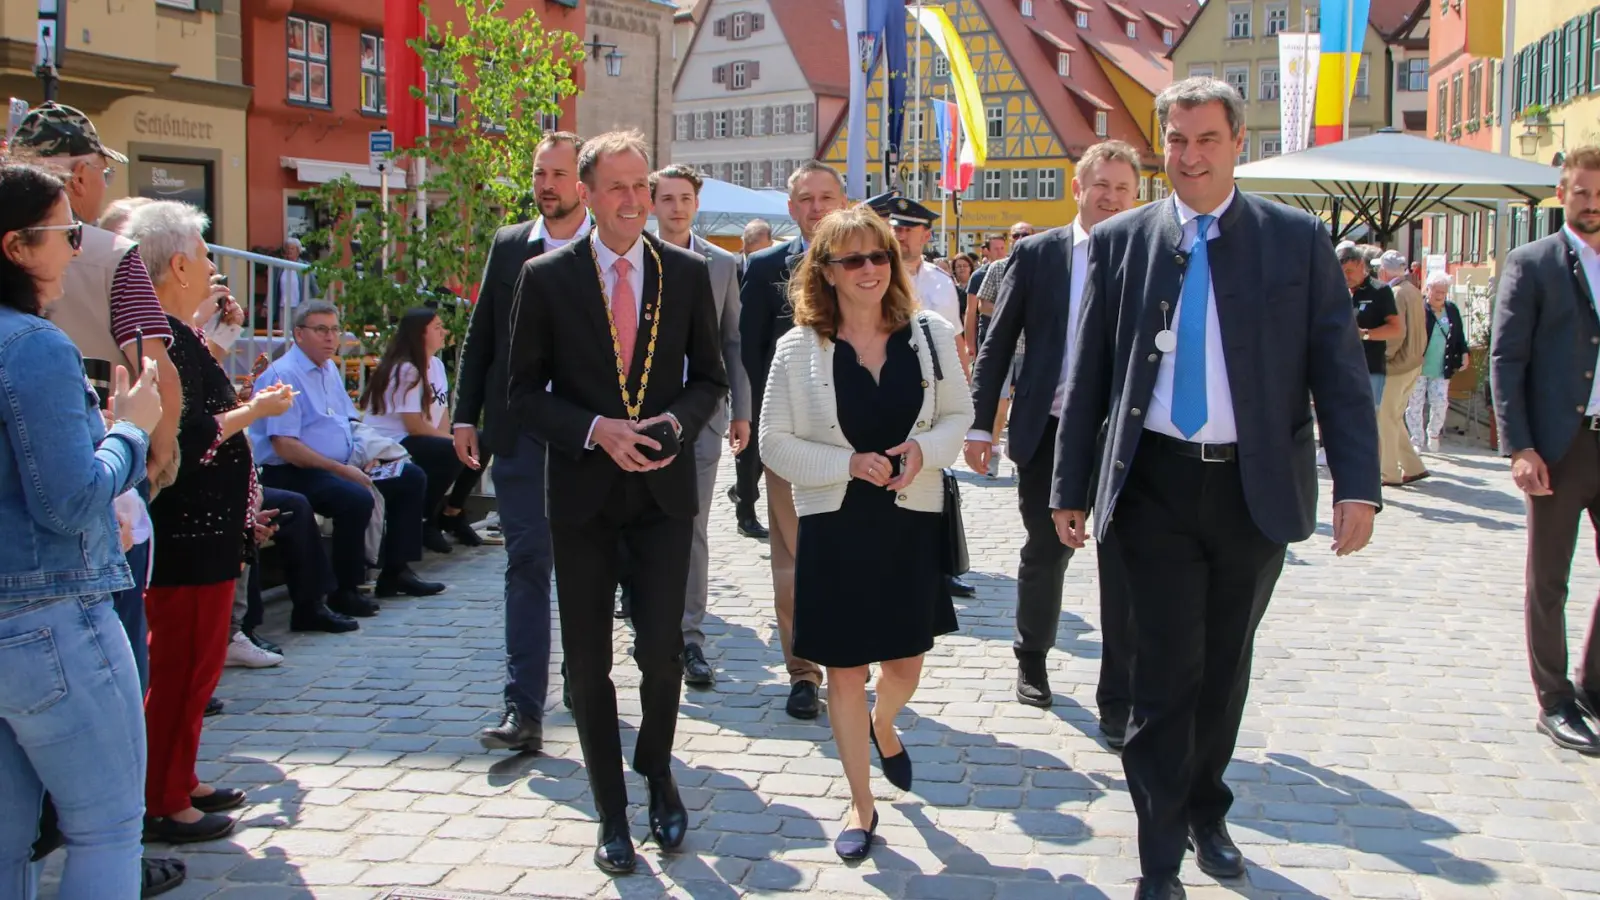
[694,242]
[1585,252]
[539,234]
[1080,234]
[1187,215]
[635,255]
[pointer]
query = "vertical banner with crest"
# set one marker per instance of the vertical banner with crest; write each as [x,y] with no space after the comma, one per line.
[863,53]
[1298,58]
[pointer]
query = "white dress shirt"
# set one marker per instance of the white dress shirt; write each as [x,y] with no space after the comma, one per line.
[554,243]
[1080,277]
[608,260]
[1591,271]
[1219,427]
[936,292]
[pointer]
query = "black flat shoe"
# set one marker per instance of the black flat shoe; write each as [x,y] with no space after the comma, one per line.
[614,854]
[855,843]
[322,619]
[1033,684]
[209,827]
[459,528]
[959,588]
[669,821]
[803,701]
[1215,852]
[1160,889]
[896,768]
[1115,729]
[158,875]
[696,671]
[751,527]
[401,580]
[515,732]
[434,539]
[1569,729]
[352,603]
[214,707]
[219,800]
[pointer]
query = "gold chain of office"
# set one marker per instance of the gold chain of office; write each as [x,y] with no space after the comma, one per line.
[635,405]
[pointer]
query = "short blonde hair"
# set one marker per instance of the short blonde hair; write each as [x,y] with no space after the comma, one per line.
[603,145]
[816,302]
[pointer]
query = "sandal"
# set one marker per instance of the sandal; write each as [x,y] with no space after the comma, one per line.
[161,875]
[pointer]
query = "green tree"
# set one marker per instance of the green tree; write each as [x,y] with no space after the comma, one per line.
[494,77]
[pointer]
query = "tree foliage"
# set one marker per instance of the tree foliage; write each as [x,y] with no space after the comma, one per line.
[497,77]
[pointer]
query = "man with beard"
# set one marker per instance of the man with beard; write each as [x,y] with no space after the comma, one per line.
[675,191]
[593,322]
[815,189]
[1547,404]
[519,454]
[1039,300]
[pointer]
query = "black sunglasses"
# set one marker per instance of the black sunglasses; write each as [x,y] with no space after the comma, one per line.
[855,261]
[1019,235]
[74,232]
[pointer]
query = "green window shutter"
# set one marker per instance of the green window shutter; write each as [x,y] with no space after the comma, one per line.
[210,6]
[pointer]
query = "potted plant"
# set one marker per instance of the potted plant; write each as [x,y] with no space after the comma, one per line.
[1536,114]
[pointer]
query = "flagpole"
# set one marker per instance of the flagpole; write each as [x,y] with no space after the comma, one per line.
[1308,108]
[883,123]
[1355,48]
[944,187]
[916,104]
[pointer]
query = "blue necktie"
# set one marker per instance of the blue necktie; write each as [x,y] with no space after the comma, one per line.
[1189,369]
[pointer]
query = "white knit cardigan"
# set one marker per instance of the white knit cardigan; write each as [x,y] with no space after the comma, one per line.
[801,441]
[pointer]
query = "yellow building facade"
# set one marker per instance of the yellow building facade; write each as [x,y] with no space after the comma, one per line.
[162,82]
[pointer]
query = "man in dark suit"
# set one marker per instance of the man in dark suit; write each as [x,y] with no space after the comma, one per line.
[593,322]
[815,189]
[1039,300]
[1542,363]
[1198,356]
[482,382]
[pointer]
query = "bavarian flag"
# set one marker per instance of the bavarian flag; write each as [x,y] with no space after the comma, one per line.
[1344,29]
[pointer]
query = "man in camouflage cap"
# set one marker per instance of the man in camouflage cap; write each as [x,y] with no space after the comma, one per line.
[65,135]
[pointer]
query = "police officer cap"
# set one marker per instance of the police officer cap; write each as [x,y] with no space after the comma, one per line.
[909,212]
[883,204]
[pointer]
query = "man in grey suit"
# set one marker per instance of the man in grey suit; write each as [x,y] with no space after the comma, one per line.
[676,193]
[1199,354]
[1547,404]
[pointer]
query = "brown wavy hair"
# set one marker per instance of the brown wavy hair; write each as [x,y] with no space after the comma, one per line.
[816,302]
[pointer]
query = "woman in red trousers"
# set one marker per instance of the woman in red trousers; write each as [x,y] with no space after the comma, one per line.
[203,523]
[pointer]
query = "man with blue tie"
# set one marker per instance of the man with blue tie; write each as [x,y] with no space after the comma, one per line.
[1200,354]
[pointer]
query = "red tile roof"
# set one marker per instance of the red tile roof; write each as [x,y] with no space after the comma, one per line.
[815,33]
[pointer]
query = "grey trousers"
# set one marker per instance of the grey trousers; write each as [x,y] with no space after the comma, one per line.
[707,454]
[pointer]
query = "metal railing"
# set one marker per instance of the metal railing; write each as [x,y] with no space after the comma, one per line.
[256,282]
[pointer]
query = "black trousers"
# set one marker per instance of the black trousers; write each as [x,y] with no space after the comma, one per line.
[747,473]
[437,457]
[1199,575]
[586,556]
[467,482]
[1044,557]
[350,505]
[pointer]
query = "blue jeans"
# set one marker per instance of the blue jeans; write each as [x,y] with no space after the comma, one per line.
[1377,387]
[129,605]
[72,723]
[519,495]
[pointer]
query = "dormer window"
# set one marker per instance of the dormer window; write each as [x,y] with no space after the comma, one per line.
[1133,30]
[1083,19]
[1064,64]
[1027,8]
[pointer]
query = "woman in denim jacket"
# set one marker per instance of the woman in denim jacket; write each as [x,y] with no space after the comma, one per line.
[69,695]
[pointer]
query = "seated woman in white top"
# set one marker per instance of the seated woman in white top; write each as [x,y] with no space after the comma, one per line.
[401,404]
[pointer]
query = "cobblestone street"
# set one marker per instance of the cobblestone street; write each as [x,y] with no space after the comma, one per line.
[1388,750]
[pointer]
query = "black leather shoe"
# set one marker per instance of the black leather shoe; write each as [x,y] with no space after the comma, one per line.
[959,588]
[351,603]
[1567,727]
[855,843]
[803,700]
[513,733]
[1114,725]
[322,619]
[1215,852]
[733,494]
[459,528]
[219,800]
[669,821]
[1033,684]
[1160,889]
[209,827]
[696,671]
[896,768]
[566,688]
[751,527]
[214,707]
[401,580]
[434,539]
[614,852]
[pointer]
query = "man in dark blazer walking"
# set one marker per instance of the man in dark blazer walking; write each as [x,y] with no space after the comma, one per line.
[1542,363]
[617,365]
[1039,301]
[482,383]
[1198,356]
[815,189]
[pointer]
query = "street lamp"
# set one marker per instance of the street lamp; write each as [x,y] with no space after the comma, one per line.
[1534,132]
[613,57]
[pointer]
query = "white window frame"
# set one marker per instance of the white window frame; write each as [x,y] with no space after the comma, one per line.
[702,125]
[758,121]
[1271,88]
[1144,188]
[741,26]
[914,123]
[375,73]
[740,123]
[1202,71]
[1063,63]
[1230,73]
[1167,37]
[1049,185]
[941,66]
[1271,144]
[1241,21]
[992,116]
[1026,6]
[1277,18]
[739,79]
[719,127]
[1083,19]
[1102,123]
[1019,186]
[741,174]
[1132,30]
[992,179]
[780,119]
[1363,77]
[680,127]
[1244,149]
[802,118]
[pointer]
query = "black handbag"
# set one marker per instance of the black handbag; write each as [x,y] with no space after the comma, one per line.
[954,552]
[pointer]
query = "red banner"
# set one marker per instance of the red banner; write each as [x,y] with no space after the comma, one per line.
[402,22]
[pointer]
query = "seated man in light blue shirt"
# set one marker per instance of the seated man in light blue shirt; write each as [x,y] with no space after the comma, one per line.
[308,451]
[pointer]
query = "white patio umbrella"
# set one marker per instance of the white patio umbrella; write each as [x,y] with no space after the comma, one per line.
[1390,179]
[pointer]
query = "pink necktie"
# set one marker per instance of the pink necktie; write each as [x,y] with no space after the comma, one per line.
[623,313]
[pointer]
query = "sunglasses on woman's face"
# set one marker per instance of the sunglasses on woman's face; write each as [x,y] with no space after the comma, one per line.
[855,261]
[74,232]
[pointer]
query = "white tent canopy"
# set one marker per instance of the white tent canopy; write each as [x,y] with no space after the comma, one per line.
[726,208]
[1390,179]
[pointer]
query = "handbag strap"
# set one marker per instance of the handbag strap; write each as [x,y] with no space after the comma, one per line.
[933,352]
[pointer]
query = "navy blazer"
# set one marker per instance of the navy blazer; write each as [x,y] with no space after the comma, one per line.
[1544,303]
[1289,335]
[1034,300]
[483,371]
[764,311]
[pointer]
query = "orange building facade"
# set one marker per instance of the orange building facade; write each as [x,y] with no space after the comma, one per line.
[317,67]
